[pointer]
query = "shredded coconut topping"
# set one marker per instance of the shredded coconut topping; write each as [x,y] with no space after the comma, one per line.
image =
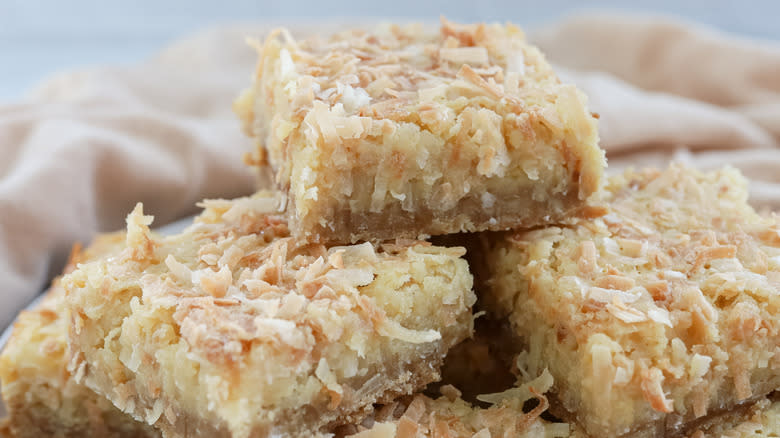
[431,119]
[235,312]
[665,298]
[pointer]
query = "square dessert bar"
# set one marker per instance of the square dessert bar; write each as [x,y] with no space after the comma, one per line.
[42,398]
[234,329]
[661,311]
[403,132]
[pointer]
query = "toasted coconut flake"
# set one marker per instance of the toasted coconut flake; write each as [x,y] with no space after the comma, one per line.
[771,236]
[351,277]
[588,255]
[329,379]
[324,122]
[660,315]
[515,62]
[242,207]
[624,373]
[494,71]
[179,271]
[139,240]
[717,252]
[379,430]
[464,55]
[526,420]
[592,211]
[286,65]
[659,290]
[618,282]
[633,248]
[699,366]
[653,391]
[231,257]
[450,392]
[522,393]
[470,75]
[699,402]
[602,295]
[156,412]
[603,370]
[393,329]
[280,330]
[742,384]
[416,409]
[626,314]
[335,259]
[353,98]
[433,93]
[357,254]
[170,414]
[407,428]
[217,283]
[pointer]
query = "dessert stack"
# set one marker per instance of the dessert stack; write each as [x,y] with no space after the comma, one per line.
[643,304]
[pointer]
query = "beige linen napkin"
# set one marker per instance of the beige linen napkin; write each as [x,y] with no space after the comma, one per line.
[87,146]
[670,90]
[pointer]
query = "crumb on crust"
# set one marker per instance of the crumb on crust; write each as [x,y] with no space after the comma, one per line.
[437,120]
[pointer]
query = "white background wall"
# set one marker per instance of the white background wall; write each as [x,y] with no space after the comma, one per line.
[38,37]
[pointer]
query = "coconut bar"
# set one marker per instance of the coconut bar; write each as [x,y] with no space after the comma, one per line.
[407,132]
[42,398]
[234,329]
[661,311]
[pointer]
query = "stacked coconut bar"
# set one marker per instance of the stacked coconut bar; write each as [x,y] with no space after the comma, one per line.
[655,315]
[645,308]
[233,328]
[403,133]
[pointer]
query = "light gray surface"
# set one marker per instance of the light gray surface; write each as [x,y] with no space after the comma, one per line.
[172,228]
[39,37]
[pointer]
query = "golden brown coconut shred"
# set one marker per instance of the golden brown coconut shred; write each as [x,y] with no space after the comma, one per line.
[664,306]
[236,324]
